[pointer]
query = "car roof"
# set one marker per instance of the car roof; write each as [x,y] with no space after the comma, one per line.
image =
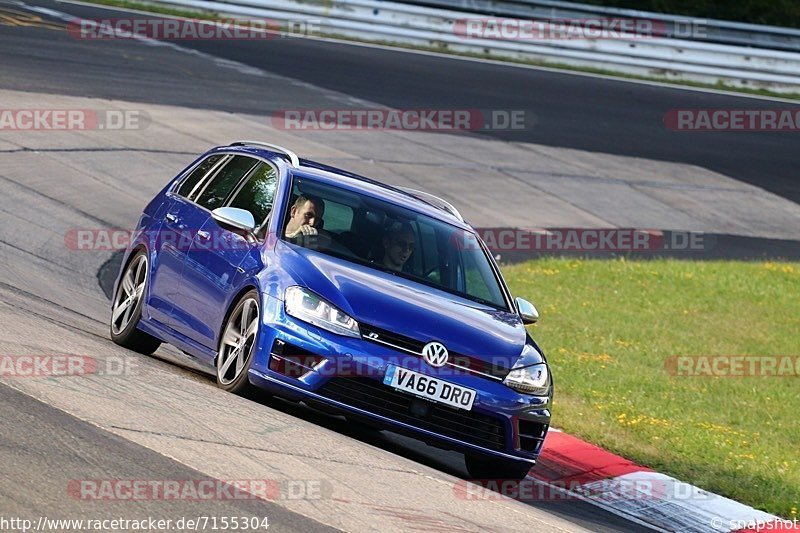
[357,183]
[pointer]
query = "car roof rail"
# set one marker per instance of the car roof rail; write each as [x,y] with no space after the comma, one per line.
[293,159]
[435,201]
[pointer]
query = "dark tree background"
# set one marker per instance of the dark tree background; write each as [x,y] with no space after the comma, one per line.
[772,12]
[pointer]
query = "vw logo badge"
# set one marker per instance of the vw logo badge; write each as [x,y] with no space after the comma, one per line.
[435,354]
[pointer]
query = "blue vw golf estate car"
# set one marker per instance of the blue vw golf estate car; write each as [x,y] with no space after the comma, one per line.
[379,303]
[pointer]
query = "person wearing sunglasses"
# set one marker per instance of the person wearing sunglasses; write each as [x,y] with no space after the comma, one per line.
[398,245]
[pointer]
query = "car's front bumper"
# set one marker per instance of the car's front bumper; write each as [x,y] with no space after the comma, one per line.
[347,374]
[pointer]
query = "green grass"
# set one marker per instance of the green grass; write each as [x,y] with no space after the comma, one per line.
[607,328]
[211,15]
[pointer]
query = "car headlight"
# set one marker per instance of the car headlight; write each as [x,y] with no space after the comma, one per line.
[530,380]
[530,374]
[309,307]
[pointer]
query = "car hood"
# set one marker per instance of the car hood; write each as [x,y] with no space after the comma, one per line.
[408,308]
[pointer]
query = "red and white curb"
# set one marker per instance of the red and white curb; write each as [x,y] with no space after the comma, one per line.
[577,469]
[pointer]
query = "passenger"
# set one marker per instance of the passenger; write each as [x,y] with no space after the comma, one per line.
[398,245]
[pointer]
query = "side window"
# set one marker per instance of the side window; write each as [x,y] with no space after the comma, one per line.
[478,276]
[258,192]
[197,174]
[216,190]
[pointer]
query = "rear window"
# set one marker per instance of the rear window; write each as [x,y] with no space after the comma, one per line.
[198,174]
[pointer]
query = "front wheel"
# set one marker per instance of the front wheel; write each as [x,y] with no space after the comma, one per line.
[237,345]
[480,468]
[126,310]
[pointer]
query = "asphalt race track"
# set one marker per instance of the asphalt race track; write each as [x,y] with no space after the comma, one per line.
[575,112]
[162,419]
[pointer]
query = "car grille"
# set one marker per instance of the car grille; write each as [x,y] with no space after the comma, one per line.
[468,426]
[464,362]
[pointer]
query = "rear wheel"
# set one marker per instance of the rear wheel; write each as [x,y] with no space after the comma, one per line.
[237,345]
[480,468]
[126,310]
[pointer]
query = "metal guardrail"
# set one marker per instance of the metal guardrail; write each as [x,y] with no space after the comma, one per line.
[715,31]
[379,20]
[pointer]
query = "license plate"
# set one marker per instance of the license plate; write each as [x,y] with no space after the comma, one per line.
[429,388]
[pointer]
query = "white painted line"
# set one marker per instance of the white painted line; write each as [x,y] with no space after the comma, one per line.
[673,504]
[622,513]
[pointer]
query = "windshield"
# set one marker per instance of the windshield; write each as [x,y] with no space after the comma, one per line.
[390,238]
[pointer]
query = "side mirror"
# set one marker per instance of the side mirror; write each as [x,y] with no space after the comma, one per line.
[236,218]
[527,311]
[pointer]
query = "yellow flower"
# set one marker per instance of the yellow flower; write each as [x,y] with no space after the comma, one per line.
[786,269]
[599,358]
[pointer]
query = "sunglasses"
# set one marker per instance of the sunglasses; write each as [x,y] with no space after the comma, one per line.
[404,245]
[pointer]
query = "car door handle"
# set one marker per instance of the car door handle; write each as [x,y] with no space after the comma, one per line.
[204,235]
[171,217]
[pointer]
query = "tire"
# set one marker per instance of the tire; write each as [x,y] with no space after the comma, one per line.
[237,345]
[481,468]
[126,307]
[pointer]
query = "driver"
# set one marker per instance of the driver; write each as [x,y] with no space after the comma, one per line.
[305,217]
